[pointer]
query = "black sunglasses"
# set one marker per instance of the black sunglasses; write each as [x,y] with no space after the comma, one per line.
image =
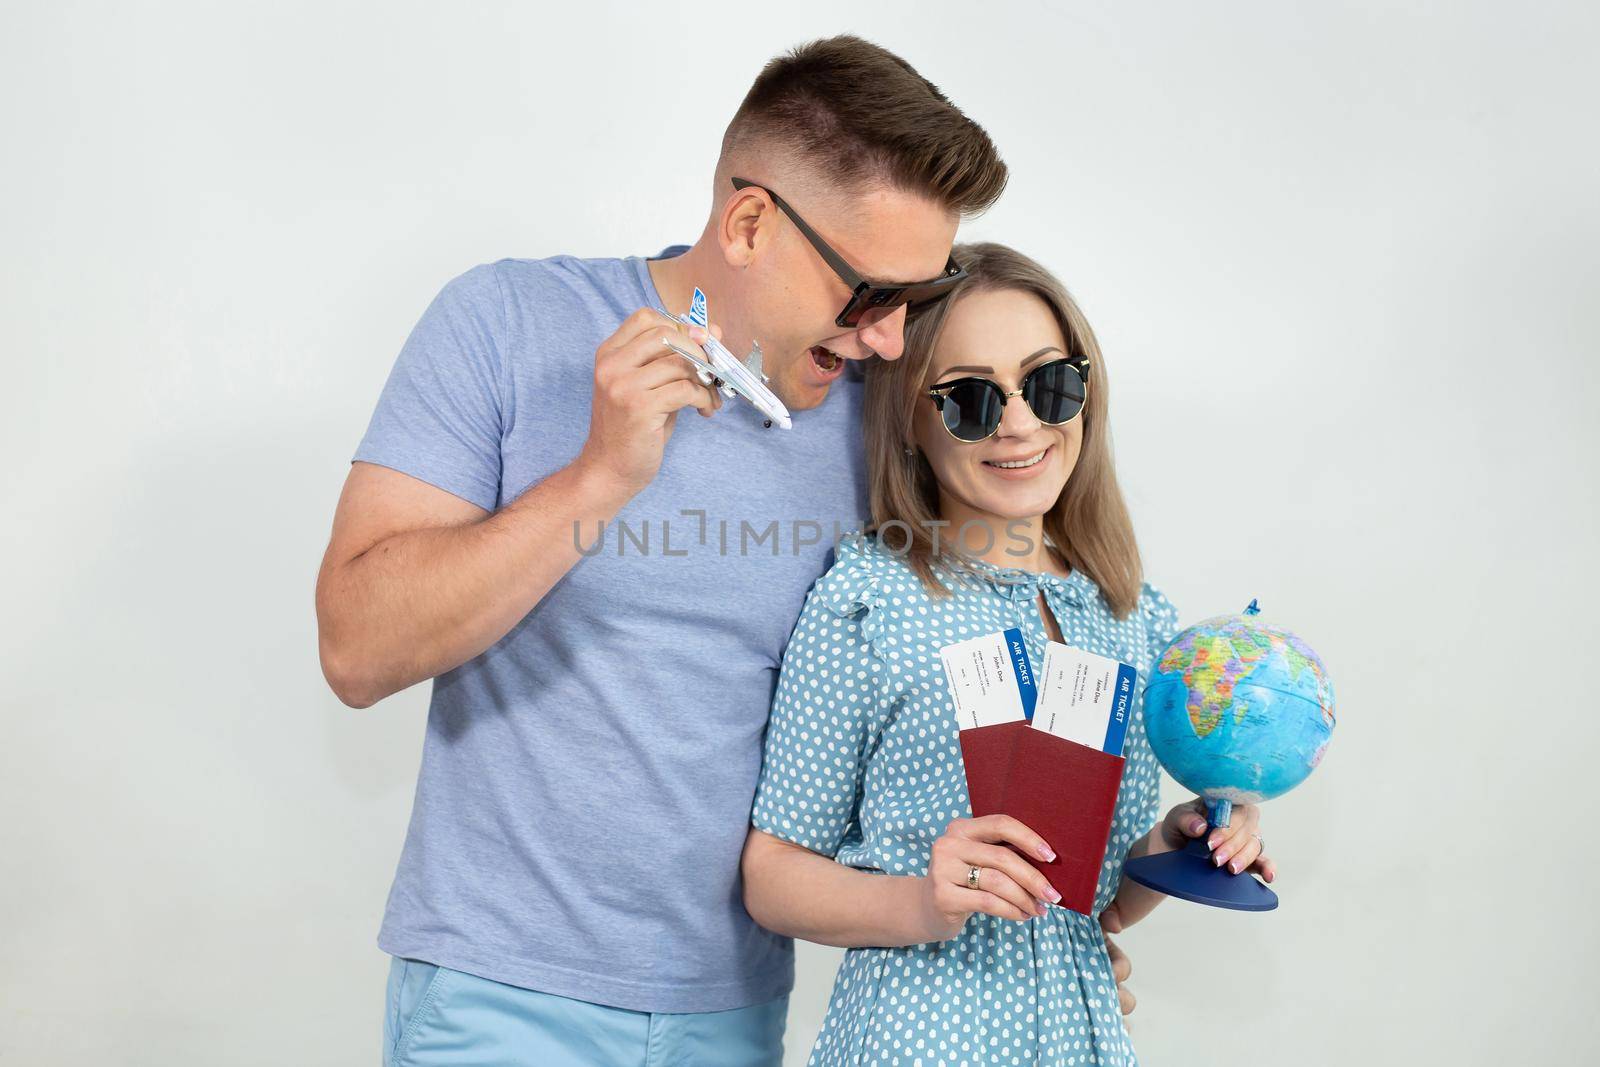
[865,297]
[971,408]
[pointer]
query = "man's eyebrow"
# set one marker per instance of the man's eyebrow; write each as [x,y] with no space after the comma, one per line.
[909,281]
[882,282]
[990,370]
[878,279]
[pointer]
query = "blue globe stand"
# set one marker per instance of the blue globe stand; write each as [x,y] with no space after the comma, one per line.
[1189,874]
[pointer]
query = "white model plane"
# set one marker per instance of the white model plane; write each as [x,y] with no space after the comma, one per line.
[718,368]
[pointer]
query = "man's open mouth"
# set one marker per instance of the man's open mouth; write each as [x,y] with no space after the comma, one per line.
[827,361]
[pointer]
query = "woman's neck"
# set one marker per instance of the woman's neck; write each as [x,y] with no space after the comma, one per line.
[1016,542]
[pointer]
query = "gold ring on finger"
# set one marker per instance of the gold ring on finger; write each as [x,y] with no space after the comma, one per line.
[972,877]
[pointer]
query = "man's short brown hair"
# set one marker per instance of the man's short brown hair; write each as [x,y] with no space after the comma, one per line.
[861,114]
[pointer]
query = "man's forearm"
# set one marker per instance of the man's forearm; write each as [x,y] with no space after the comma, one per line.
[798,893]
[419,603]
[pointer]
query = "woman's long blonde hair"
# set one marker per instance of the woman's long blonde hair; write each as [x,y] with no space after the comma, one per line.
[1089,524]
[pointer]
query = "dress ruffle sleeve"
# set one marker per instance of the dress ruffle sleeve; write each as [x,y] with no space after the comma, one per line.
[856,592]
[828,711]
[1160,620]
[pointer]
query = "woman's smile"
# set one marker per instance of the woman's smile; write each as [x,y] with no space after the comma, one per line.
[1019,465]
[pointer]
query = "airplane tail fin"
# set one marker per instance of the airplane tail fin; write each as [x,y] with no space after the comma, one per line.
[697,309]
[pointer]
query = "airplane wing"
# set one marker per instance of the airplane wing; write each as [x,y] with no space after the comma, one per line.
[708,373]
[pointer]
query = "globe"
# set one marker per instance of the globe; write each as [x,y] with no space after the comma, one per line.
[1238,711]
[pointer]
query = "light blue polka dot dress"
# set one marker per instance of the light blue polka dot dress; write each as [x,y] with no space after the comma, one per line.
[863,763]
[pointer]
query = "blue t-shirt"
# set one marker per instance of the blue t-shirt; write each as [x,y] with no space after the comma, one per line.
[586,783]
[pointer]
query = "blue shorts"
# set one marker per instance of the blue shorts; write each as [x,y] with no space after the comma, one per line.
[438,1016]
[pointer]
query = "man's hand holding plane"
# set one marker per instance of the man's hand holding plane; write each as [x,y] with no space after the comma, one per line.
[644,374]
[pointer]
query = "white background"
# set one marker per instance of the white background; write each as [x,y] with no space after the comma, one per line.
[1343,262]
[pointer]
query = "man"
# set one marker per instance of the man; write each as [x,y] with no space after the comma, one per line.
[602,596]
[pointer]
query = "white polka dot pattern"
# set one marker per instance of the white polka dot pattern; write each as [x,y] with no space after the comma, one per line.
[863,763]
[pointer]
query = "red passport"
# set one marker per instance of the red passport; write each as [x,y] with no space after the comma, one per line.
[1065,792]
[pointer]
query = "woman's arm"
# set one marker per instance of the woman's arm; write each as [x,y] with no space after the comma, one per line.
[1134,901]
[793,891]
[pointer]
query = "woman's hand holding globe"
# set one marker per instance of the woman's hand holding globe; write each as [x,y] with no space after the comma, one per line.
[1238,845]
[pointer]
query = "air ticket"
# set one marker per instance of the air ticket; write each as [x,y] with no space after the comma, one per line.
[990,679]
[1084,697]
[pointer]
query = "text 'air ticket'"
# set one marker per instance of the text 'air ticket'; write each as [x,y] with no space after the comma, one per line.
[1084,697]
[990,679]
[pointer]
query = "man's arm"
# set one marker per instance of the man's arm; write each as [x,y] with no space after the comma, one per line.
[416,581]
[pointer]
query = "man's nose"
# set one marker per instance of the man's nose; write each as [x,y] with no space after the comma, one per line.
[886,336]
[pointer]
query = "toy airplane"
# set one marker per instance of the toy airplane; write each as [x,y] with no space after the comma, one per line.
[719,369]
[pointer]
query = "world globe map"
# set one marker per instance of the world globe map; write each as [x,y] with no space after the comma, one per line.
[1238,710]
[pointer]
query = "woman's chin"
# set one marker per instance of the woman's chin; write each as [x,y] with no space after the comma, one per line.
[1021,501]
[1008,509]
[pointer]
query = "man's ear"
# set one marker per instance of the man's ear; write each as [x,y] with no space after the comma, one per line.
[747,227]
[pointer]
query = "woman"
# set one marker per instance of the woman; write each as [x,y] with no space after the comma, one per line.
[862,834]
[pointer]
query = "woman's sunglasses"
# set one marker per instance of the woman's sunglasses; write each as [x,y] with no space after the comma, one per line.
[971,408]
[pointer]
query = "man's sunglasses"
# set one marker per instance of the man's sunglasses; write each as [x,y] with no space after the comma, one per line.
[868,302]
[971,408]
